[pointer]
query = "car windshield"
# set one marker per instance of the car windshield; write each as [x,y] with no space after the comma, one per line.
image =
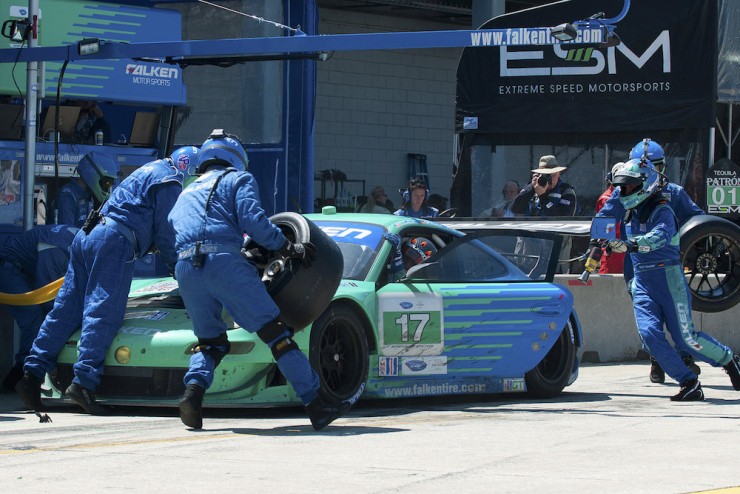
[528,255]
[359,243]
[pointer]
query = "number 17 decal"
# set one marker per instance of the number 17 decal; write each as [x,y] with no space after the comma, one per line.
[403,321]
[410,325]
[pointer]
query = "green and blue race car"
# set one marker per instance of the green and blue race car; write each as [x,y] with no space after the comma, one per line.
[400,306]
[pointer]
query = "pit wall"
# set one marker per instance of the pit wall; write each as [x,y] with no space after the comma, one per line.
[609,331]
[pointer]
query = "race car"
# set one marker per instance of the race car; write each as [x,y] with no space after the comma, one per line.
[403,307]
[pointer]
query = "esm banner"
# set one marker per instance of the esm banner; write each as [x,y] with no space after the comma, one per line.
[661,75]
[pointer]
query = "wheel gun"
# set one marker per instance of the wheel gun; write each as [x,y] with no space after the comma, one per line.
[603,229]
[592,261]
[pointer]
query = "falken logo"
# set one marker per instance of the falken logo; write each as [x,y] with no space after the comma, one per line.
[149,71]
[416,365]
[406,305]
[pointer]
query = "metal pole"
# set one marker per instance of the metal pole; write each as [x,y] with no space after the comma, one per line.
[729,131]
[31,102]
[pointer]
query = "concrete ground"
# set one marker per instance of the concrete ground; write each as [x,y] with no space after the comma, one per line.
[612,431]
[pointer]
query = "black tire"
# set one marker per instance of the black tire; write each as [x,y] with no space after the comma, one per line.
[338,352]
[552,374]
[303,292]
[710,255]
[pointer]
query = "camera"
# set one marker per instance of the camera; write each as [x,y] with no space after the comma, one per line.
[544,180]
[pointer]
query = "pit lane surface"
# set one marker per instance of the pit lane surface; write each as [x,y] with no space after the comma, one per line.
[612,431]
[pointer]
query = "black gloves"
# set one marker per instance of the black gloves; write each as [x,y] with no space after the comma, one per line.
[306,252]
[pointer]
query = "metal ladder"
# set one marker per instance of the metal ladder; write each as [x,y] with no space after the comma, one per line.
[418,167]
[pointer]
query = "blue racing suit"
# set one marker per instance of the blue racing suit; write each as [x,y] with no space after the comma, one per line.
[29,261]
[423,212]
[73,205]
[678,200]
[95,289]
[661,295]
[224,278]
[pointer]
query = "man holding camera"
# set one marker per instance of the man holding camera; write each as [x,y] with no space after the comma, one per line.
[546,195]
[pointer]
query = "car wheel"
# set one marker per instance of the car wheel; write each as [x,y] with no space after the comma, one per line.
[339,354]
[551,375]
[302,293]
[710,248]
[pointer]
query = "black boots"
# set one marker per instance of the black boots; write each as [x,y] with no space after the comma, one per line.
[689,362]
[191,406]
[690,391]
[29,389]
[15,375]
[322,413]
[85,398]
[657,375]
[733,370]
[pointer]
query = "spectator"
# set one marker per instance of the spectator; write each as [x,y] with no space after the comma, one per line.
[438,202]
[547,195]
[415,201]
[659,288]
[132,223]
[210,219]
[683,207]
[29,261]
[611,262]
[375,202]
[89,121]
[502,209]
[81,195]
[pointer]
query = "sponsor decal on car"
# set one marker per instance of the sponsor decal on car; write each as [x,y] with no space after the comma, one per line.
[139,331]
[511,385]
[425,389]
[387,366]
[160,287]
[410,324]
[150,315]
[424,366]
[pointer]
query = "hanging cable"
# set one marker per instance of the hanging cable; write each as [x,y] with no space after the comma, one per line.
[256,18]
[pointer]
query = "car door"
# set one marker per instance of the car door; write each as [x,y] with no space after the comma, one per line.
[470,312]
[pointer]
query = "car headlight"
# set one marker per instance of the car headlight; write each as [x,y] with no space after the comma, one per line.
[123,355]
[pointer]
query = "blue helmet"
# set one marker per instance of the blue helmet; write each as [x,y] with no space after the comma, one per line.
[649,150]
[99,171]
[224,149]
[641,174]
[186,161]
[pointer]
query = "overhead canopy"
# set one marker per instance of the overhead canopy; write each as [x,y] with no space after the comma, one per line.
[662,76]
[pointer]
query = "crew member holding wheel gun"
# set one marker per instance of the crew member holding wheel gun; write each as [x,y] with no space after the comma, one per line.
[659,288]
[210,219]
[682,206]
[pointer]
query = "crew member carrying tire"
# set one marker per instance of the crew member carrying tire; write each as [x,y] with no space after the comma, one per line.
[210,219]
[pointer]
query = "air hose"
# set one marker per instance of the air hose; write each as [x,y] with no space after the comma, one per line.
[35,297]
